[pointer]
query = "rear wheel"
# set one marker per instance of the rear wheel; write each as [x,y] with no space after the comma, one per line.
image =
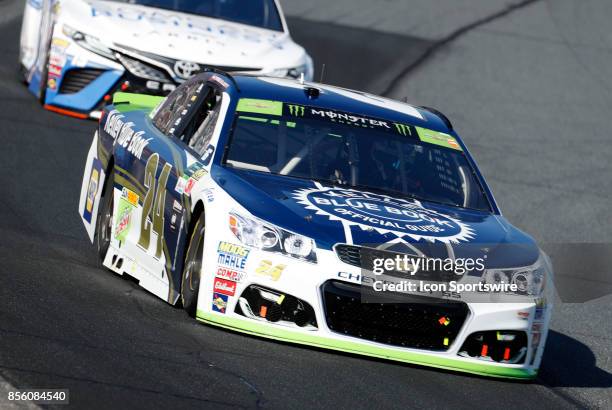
[104,223]
[190,283]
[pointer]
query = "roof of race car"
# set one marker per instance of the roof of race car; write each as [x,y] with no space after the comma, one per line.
[335,98]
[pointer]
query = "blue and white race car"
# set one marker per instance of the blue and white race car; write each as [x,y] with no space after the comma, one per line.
[262,205]
[75,54]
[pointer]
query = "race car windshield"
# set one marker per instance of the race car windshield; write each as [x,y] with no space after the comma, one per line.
[258,13]
[348,150]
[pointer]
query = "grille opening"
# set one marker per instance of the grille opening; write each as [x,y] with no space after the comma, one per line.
[502,346]
[76,79]
[143,70]
[258,302]
[416,322]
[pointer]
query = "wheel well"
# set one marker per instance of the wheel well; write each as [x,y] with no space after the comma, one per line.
[109,169]
[197,211]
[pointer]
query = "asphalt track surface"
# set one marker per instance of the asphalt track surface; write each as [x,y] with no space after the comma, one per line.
[64,323]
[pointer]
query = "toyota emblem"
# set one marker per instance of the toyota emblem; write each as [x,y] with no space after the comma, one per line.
[186,69]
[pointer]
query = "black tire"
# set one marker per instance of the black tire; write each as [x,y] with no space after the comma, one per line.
[44,79]
[23,74]
[104,221]
[44,75]
[190,282]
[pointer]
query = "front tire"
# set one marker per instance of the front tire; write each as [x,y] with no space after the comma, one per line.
[44,79]
[190,283]
[104,222]
[44,75]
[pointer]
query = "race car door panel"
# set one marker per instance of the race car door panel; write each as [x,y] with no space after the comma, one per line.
[168,162]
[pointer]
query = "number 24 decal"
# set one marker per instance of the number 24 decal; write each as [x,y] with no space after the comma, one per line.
[153,204]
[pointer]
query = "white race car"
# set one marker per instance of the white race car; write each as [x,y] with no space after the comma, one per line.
[76,53]
[266,205]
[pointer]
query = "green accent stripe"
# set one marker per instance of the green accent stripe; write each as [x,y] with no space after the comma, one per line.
[244,117]
[285,335]
[131,102]
[130,181]
[438,138]
[124,182]
[257,106]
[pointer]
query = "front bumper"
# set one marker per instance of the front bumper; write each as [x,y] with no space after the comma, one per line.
[357,347]
[307,282]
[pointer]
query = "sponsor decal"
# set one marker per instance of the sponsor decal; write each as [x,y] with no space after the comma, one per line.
[92,189]
[124,135]
[266,268]
[189,186]
[437,138]
[173,219]
[219,302]
[123,221]
[60,43]
[209,194]
[384,214]
[176,206]
[57,60]
[232,256]
[52,83]
[177,27]
[403,129]
[257,106]
[230,274]
[180,185]
[57,55]
[208,154]
[55,70]
[216,79]
[199,174]
[224,286]
[177,212]
[345,118]
[296,110]
[130,196]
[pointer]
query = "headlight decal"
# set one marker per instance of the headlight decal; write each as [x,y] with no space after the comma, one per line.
[529,281]
[88,42]
[264,236]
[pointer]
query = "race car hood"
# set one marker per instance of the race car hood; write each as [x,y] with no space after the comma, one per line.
[332,215]
[182,36]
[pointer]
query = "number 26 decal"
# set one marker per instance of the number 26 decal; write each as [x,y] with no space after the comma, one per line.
[153,204]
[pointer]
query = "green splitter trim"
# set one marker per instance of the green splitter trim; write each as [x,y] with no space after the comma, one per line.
[257,106]
[126,102]
[257,329]
[438,138]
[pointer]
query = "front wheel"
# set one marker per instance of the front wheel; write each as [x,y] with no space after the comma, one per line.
[190,283]
[104,223]
[44,79]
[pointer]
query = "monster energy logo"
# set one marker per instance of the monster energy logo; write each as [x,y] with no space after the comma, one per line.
[296,110]
[403,129]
